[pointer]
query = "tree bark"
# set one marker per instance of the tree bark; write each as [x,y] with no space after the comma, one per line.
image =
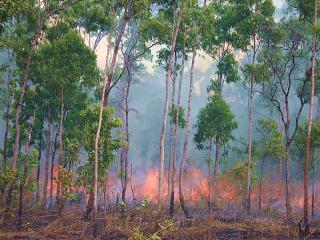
[46,173]
[215,170]
[313,193]
[59,183]
[260,183]
[288,195]
[54,148]
[308,138]
[24,180]
[126,149]
[209,176]
[8,110]
[249,148]
[175,144]
[126,19]
[38,172]
[186,136]
[165,114]
[172,124]
[103,103]
[250,129]
[25,78]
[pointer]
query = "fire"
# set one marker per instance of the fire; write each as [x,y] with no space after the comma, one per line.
[195,186]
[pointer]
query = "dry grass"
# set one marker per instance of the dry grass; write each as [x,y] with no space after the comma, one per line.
[147,223]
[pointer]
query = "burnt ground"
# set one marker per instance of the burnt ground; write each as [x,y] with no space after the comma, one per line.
[147,224]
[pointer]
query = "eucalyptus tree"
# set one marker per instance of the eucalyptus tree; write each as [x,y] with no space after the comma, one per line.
[94,20]
[37,17]
[65,76]
[133,51]
[309,11]
[255,18]
[299,148]
[284,55]
[270,147]
[132,9]
[215,124]
[198,20]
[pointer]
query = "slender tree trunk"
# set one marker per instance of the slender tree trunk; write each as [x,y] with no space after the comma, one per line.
[175,144]
[59,183]
[21,98]
[54,148]
[165,114]
[186,136]
[95,164]
[288,195]
[313,193]
[8,110]
[103,103]
[209,176]
[215,170]
[126,150]
[260,183]
[24,180]
[172,124]
[38,171]
[126,19]
[306,167]
[250,148]
[250,129]
[46,173]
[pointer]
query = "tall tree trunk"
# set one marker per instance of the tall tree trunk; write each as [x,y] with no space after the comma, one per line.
[249,148]
[250,129]
[280,159]
[215,170]
[53,154]
[186,136]
[126,149]
[166,109]
[288,195]
[175,144]
[25,79]
[8,110]
[172,125]
[126,19]
[306,167]
[24,180]
[313,193]
[46,173]
[59,183]
[209,175]
[260,183]
[103,103]
[38,171]
[95,164]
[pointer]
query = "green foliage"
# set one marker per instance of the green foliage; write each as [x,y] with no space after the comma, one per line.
[271,143]
[181,117]
[239,174]
[108,143]
[8,178]
[227,73]
[215,121]
[305,8]
[138,235]
[259,72]
[299,145]
[67,185]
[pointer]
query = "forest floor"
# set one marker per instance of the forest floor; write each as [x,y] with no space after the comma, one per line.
[147,224]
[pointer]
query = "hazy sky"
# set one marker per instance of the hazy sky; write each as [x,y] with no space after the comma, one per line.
[278,3]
